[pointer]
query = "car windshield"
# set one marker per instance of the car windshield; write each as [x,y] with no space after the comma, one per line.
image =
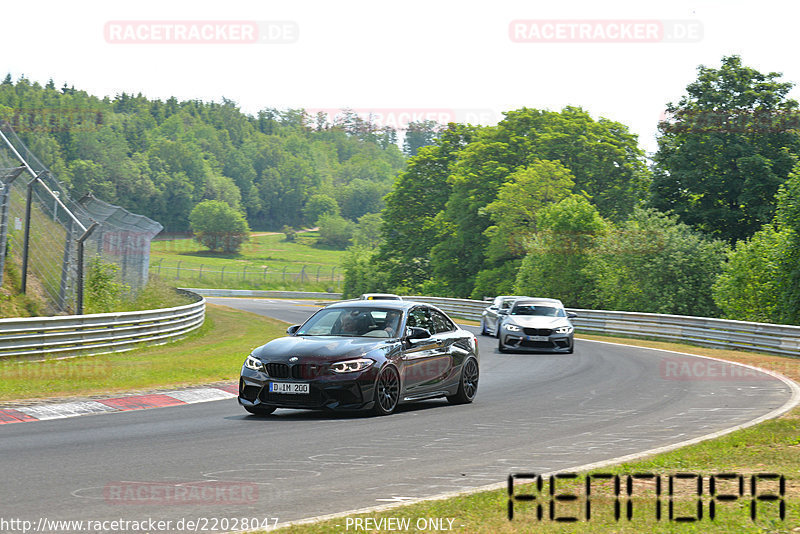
[353,322]
[544,311]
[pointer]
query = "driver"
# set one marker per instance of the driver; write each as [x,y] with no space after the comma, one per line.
[352,324]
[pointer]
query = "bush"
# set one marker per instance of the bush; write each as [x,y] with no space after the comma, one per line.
[217,226]
[335,231]
[103,292]
[289,232]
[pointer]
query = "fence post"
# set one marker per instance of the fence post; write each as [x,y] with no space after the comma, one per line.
[159,266]
[318,268]
[201,272]
[303,274]
[81,241]
[5,224]
[244,273]
[265,275]
[284,274]
[27,239]
[178,270]
[222,275]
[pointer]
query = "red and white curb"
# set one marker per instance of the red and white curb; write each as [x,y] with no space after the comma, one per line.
[42,412]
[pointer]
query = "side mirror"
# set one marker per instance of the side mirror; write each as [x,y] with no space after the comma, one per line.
[292,329]
[571,314]
[503,311]
[415,332]
[493,307]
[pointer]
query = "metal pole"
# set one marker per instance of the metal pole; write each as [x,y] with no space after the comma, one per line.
[27,239]
[81,239]
[4,222]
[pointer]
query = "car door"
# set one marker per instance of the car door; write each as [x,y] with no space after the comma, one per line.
[424,360]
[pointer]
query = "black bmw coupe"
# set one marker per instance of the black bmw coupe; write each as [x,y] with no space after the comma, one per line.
[363,355]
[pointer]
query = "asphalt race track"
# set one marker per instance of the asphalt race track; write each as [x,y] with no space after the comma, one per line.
[533,413]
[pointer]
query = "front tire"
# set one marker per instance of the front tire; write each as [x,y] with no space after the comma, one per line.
[500,346]
[484,330]
[260,410]
[468,386]
[387,391]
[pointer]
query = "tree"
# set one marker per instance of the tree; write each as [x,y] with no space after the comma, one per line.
[559,252]
[729,144]
[318,205]
[218,226]
[361,274]
[602,156]
[654,263]
[761,279]
[748,288]
[367,233]
[419,194]
[335,231]
[420,134]
[514,211]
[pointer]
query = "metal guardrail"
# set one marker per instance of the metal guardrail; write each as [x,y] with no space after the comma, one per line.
[113,332]
[718,333]
[257,293]
[98,333]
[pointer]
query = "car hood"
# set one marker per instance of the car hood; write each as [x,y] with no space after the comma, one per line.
[537,321]
[319,348]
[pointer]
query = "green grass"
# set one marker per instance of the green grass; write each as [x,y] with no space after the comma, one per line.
[264,262]
[213,353]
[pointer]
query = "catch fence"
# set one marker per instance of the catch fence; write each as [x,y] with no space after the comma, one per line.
[52,236]
[227,276]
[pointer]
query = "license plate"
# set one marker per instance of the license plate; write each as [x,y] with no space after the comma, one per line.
[291,388]
[537,338]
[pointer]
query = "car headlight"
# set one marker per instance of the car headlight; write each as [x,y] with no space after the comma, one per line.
[253,363]
[512,327]
[563,330]
[352,366]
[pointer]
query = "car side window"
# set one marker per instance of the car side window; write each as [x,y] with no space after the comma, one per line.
[441,323]
[419,317]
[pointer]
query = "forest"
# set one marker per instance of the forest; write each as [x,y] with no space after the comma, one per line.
[162,158]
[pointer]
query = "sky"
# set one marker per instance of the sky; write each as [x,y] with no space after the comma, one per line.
[412,59]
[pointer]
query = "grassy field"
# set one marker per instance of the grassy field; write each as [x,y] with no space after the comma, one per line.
[769,447]
[213,353]
[267,261]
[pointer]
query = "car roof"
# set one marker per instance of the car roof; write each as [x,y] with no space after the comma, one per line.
[538,300]
[381,296]
[387,304]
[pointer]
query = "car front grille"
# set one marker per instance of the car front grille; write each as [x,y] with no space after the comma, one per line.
[278,370]
[537,331]
[301,371]
[306,371]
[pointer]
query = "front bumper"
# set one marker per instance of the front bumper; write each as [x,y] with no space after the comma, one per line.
[552,343]
[350,391]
